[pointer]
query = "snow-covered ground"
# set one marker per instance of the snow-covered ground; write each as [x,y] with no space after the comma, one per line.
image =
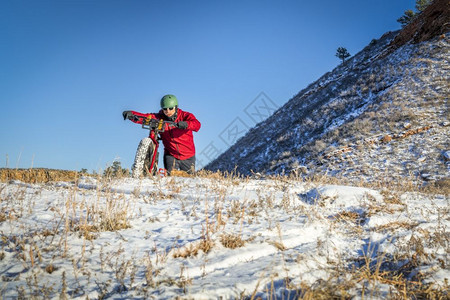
[210,238]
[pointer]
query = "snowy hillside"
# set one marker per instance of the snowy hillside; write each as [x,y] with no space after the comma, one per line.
[220,238]
[382,114]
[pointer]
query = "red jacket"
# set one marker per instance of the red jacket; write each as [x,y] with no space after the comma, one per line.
[177,142]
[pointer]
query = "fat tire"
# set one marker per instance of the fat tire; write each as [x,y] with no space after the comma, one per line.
[143,159]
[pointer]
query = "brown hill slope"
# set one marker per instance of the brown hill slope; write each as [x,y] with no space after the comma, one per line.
[433,21]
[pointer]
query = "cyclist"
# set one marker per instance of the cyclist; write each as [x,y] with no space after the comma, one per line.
[178,140]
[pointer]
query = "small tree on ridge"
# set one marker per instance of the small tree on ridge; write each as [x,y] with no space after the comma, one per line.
[407,17]
[342,53]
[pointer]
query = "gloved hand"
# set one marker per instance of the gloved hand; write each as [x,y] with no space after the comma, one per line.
[127,114]
[182,125]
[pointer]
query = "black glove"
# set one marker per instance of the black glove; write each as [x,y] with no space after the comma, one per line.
[127,114]
[182,125]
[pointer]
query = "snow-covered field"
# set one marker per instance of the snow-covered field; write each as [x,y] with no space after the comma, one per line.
[216,237]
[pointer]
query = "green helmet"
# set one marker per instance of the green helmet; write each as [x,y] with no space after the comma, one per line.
[169,101]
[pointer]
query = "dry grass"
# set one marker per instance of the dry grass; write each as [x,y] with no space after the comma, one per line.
[37,175]
[441,187]
[232,241]
[350,216]
[180,173]
[396,225]
[108,214]
[366,279]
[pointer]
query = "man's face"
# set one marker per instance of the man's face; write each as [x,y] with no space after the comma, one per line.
[169,111]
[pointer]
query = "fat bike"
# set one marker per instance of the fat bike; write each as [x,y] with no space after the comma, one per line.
[146,159]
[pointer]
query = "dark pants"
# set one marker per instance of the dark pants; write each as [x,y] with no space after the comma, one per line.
[187,165]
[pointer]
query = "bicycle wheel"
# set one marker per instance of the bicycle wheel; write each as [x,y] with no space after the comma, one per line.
[142,160]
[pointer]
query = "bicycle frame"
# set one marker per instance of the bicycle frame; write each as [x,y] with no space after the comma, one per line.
[155,126]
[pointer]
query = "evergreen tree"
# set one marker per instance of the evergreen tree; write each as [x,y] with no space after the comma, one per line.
[422,4]
[342,53]
[116,167]
[407,17]
[116,170]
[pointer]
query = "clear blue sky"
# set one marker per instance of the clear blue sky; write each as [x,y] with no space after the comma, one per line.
[69,68]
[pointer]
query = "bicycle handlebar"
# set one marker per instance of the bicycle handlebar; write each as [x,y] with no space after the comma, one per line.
[155,124]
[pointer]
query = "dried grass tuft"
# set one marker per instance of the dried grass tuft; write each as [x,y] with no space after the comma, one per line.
[232,241]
